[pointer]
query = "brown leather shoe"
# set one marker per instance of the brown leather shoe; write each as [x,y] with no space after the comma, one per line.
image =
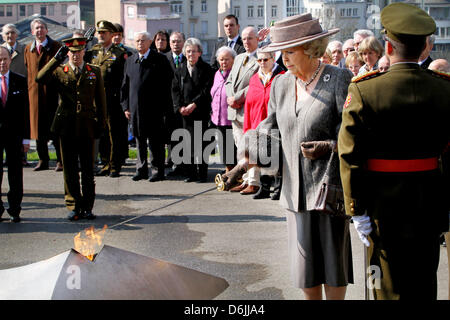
[59,167]
[41,166]
[239,188]
[250,190]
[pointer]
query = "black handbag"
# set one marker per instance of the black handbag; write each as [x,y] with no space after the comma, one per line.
[330,199]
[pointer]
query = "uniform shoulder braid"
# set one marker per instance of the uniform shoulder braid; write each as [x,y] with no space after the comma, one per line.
[439,74]
[366,76]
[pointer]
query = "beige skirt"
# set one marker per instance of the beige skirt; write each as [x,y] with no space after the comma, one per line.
[319,249]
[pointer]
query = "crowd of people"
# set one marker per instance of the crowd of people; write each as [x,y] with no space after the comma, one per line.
[90,102]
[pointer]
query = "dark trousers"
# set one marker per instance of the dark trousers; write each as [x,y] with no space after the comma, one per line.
[73,149]
[42,149]
[198,164]
[114,144]
[156,145]
[227,147]
[13,148]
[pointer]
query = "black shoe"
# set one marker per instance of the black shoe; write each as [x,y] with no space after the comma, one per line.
[157,177]
[74,215]
[114,174]
[102,173]
[178,171]
[139,176]
[276,195]
[15,219]
[191,179]
[263,193]
[87,214]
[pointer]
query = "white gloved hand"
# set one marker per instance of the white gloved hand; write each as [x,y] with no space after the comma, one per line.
[363,227]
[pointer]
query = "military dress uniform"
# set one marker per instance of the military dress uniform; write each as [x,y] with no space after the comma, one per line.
[79,119]
[394,130]
[114,143]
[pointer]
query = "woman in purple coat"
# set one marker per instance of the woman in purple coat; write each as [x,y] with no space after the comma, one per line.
[225,58]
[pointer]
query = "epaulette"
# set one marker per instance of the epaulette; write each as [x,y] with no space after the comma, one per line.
[366,76]
[96,47]
[439,74]
[90,66]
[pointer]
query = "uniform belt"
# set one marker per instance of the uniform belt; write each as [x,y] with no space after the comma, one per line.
[410,165]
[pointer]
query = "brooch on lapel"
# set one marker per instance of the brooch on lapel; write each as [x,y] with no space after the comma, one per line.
[326,78]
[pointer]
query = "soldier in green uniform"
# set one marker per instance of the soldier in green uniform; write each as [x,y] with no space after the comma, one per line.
[111,58]
[394,130]
[79,119]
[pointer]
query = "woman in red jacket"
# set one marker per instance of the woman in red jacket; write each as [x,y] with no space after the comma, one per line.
[255,111]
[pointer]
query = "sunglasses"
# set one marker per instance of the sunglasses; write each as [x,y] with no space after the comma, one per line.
[265,59]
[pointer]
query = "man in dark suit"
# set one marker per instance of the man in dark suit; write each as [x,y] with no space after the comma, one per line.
[233,39]
[425,58]
[174,120]
[145,99]
[14,131]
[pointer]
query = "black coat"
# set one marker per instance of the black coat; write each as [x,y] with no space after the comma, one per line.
[146,92]
[238,48]
[195,89]
[15,116]
[171,62]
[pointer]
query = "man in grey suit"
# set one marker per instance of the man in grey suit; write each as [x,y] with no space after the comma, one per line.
[244,67]
[9,34]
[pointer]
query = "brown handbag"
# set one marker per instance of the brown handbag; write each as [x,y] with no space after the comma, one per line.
[330,199]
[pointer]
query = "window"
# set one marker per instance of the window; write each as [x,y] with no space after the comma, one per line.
[9,11]
[329,12]
[192,7]
[182,27]
[130,12]
[43,10]
[2,11]
[292,7]
[205,47]
[30,9]
[349,12]
[64,9]
[442,32]
[204,6]
[342,12]
[51,10]
[274,11]
[205,27]
[250,11]
[22,11]
[448,32]
[237,11]
[260,26]
[260,11]
[192,29]
[176,8]
[355,12]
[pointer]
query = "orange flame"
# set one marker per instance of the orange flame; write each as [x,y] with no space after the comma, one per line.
[90,242]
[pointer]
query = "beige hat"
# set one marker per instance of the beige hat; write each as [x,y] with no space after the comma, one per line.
[295,31]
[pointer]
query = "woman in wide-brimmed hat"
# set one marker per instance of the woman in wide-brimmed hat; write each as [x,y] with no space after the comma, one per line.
[305,106]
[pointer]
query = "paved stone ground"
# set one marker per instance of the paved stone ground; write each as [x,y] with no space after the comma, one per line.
[193,225]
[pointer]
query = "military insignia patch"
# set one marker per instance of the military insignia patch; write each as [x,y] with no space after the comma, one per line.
[348,100]
[66,69]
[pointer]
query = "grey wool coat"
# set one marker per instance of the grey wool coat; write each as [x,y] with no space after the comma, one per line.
[318,119]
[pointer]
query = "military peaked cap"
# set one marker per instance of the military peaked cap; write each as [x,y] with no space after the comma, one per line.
[104,25]
[402,21]
[75,44]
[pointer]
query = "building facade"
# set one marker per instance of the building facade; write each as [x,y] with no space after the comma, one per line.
[12,11]
[135,16]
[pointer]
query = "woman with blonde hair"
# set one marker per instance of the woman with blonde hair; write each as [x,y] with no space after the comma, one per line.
[370,51]
[353,62]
